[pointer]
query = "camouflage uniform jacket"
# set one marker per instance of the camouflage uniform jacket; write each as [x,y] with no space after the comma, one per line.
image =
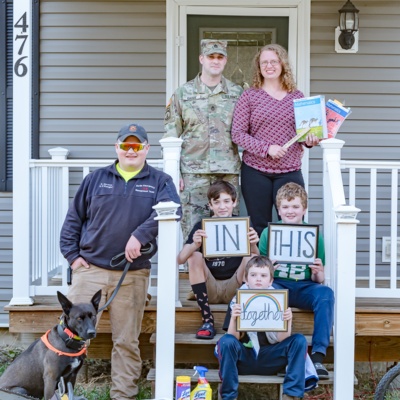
[202,118]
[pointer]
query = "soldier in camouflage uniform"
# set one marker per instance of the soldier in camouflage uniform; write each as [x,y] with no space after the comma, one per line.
[200,113]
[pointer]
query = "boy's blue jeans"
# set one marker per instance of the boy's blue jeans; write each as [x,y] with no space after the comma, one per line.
[309,295]
[236,359]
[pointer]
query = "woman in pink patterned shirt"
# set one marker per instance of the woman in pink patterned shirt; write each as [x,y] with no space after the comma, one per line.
[263,122]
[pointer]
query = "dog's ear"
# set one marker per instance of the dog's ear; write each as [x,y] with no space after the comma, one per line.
[96,300]
[65,303]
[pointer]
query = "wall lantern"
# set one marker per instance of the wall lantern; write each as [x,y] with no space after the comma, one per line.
[347,31]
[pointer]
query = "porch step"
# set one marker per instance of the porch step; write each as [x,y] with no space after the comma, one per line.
[213,377]
[184,338]
[188,349]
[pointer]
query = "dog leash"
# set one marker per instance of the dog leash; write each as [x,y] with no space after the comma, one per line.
[118,261]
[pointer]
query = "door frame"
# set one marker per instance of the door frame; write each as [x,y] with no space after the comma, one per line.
[298,11]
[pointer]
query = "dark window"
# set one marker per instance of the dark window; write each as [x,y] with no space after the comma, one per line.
[6,89]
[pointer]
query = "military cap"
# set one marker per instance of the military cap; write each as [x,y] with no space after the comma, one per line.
[211,46]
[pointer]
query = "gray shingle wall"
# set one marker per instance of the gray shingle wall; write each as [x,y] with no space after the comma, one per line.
[369,82]
[102,65]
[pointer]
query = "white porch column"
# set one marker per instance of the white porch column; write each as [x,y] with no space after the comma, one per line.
[345,293]
[171,149]
[332,179]
[165,335]
[22,108]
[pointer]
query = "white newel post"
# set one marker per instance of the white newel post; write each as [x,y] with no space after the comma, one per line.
[165,335]
[62,199]
[345,292]
[331,155]
[22,108]
[171,149]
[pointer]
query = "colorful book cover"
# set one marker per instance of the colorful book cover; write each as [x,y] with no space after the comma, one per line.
[336,113]
[309,113]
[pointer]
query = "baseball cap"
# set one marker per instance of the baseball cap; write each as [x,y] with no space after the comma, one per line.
[132,130]
[211,46]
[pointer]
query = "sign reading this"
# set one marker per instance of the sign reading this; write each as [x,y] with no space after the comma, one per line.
[226,237]
[262,310]
[292,244]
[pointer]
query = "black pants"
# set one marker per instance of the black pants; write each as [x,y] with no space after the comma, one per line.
[259,192]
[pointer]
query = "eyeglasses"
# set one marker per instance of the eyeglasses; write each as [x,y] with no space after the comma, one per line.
[273,63]
[134,146]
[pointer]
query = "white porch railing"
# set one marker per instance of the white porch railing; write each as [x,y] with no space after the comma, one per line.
[374,187]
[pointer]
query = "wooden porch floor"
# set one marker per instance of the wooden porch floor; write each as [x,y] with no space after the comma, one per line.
[377,327]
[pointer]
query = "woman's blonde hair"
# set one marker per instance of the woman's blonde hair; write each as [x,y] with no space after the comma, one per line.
[287,78]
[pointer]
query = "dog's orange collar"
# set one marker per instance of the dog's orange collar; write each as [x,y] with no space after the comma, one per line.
[45,340]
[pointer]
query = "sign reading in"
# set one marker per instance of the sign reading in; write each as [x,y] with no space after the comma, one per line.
[292,244]
[226,237]
[262,310]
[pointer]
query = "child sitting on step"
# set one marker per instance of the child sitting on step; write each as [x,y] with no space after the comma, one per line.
[304,282]
[214,280]
[262,353]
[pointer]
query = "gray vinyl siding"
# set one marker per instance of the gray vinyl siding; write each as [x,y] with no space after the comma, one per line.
[102,65]
[369,82]
[5,254]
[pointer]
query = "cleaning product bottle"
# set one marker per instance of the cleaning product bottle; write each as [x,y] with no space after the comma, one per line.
[182,390]
[203,390]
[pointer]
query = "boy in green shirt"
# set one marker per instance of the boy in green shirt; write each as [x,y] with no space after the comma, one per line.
[304,282]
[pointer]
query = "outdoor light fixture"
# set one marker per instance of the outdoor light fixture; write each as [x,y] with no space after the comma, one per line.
[347,31]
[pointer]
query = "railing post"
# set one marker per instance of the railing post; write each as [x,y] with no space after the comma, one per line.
[345,293]
[61,203]
[171,149]
[331,154]
[165,335]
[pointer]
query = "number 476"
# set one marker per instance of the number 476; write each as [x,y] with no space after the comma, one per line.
[20,69]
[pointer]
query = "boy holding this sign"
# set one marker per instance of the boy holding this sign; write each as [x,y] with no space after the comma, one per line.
[261,353]
[304,282]
[214,280]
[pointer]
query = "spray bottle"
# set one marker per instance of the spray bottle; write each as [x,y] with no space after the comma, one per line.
[203,390]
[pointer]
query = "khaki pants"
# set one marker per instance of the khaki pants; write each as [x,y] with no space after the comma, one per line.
[126,314]
[194,198]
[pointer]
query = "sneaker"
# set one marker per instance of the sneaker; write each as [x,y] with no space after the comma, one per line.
[287,397]
[322,372]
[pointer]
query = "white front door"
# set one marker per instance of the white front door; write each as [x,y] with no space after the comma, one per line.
[297,11]
[298,37]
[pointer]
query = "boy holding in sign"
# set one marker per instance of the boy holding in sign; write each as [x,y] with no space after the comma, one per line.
[261,353]
[304,282]
[214,280]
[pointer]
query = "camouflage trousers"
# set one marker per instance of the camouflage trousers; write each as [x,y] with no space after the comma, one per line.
[194,198]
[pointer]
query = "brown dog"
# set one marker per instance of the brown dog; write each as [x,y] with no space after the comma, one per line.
[59,353]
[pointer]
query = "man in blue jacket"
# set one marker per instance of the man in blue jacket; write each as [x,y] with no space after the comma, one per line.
[112,213]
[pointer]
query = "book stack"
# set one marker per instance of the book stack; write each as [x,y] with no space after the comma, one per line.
[336,113]
[309,113]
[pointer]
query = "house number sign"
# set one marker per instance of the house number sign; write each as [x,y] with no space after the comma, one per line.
[20,68]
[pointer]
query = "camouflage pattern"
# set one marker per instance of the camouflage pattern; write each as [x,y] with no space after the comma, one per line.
[212,46]
[194,198]
[202,118]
